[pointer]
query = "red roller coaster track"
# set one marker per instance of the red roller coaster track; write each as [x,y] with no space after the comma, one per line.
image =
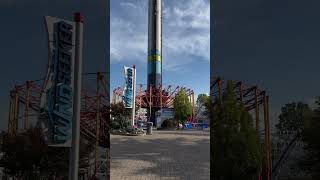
[150,98]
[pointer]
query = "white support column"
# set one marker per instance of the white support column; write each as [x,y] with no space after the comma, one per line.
[74,154]
[134,96]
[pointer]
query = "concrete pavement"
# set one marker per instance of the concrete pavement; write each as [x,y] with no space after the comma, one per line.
[181,155]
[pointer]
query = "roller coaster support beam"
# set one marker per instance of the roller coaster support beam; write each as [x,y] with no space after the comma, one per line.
[99,77]
[26,105]
[269,144]
[13,113]
[266,138]
[241,91]
[150,102]
[220,89]
[160,91]
[257,111]
[193,111]
[10,113]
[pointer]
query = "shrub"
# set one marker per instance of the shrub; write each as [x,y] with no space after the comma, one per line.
[119,122]
[169,123]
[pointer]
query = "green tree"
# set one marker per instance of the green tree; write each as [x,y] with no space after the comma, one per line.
[182,107]
[27,156]
[289,128]
[120,116]
[22,153]
[292,117]
[201,100]
[203,104]
[235,150]
[310,137]
[119,110]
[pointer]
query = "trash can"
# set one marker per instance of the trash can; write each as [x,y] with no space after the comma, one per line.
[149,128]
[139,124]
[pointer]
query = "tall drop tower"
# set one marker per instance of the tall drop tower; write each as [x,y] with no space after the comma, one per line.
[154,52]
[155,44]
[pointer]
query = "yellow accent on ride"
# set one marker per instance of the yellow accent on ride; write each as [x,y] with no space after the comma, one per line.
[154,58]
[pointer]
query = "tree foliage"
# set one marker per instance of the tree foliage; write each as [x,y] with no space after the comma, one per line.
[289,128]
[203,103]
[182,107]
[235,150]
[310,137]
[27,156]
[120,116]
[292,117]
[119,110]
[302,121]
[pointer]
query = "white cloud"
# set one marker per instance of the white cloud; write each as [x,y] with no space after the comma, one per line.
[128,4]
[126,44]
[194,13]
[186,26]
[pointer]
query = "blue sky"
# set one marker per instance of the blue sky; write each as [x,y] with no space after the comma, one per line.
[271,44]
[186,42]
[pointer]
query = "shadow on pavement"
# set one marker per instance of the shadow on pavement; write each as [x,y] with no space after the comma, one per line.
[164,154]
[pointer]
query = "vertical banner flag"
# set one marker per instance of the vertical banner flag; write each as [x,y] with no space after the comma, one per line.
[57,92]
[128,88]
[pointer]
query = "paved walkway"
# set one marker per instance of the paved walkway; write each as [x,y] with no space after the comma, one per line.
[181,155]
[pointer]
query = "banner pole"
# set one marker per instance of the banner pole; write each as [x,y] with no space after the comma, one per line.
[74,153]
[134,95]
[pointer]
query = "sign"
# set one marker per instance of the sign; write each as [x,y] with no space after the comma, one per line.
[57,97]
[128,89]
[167,113]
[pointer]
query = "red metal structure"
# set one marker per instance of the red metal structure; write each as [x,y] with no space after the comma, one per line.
[151,98]
[95,116]
[253,98]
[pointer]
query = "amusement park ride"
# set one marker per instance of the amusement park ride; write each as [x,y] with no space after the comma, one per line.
[151,98]
[95,115]
[155,96]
